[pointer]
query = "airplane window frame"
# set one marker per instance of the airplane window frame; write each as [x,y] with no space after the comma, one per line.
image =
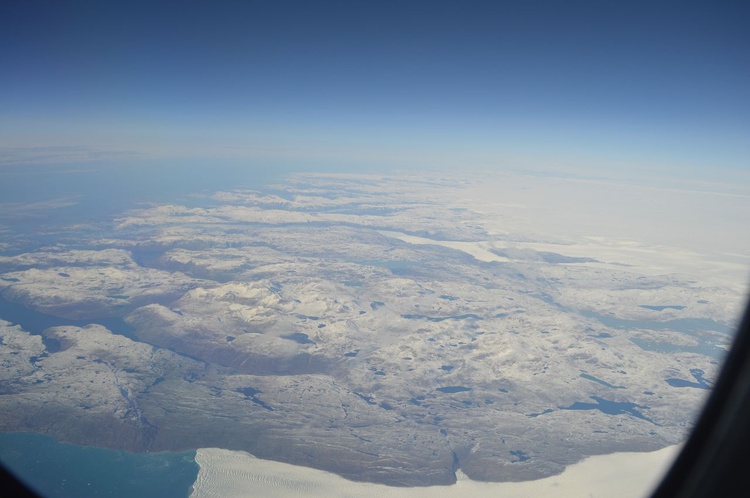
[715,457]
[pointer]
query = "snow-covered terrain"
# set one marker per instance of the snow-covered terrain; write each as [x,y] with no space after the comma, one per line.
[397,330]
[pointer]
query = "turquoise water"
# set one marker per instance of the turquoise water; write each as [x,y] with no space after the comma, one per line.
[55,469]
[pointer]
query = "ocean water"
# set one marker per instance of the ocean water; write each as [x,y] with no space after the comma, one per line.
[40,205]
[55,469]
[95,193]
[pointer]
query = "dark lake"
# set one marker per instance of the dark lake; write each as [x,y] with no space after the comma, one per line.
[442,318]
[662,308]
[610,407]
[453,389]
[700,382]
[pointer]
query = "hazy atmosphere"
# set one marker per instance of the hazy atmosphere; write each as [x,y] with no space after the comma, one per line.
[595,85]
[333,248]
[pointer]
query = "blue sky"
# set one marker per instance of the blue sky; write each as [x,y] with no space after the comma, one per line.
[639,85]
